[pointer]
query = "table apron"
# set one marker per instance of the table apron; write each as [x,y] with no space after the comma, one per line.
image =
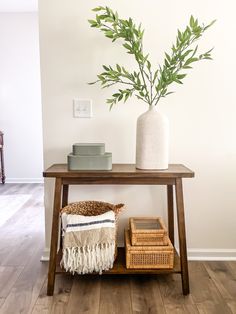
[121,181]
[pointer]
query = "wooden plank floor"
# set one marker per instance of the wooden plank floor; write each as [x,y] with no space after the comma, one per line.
[23,278]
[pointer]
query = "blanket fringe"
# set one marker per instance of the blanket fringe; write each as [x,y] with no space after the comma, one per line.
[88,259]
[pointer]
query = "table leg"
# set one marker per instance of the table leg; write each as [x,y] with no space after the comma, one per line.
[65,195]
[170,213]
[182,236]
[54,236]
[65,192]
[2,166]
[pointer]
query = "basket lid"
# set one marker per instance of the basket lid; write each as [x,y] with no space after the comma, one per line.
[146,225]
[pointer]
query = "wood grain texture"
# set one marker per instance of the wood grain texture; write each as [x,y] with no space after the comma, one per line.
[115,295]
[27,287]
[23,229]
[170,287]
[224,279]
[8,277]
[232,265]
[84,296]
[204,292]
[2,300]
[182,235]
[181,309]
[120,171]
[54,236]
[170,209]
[65,192]
[20,251]
[146,296]
[232,306]
[58,302]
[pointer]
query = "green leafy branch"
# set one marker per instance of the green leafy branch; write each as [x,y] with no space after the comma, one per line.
[144,83]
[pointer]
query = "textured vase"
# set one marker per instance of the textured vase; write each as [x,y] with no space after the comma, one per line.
[152,140]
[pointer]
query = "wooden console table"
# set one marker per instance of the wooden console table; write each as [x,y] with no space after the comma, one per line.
[123,174]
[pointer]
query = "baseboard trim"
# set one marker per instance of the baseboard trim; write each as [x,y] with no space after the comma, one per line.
[24,180]
[193,255]
[45,255]
[212,254]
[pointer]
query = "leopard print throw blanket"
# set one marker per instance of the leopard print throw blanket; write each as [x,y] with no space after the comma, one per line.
[88,242]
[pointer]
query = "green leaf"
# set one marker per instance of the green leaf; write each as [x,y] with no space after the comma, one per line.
[187,53]
[178,81]
[168,57]
[100,77]
[169,93]
[92,21]
[92,83]
[109,19]
[109,34]
[191,22]
[195,24]
[179,35]
[180,76]
[105,68]
[118,68]
[209,51]
[98,9]
[141,93]
[126,97]
[127,46]
[109,101]
[124,70]
[103,16]
[98,19]
[190,60]
[141,98]
[120,97]
[109,12]
[209,25]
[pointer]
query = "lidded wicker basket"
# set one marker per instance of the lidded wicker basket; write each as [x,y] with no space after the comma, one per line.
[94,208]
[148,231]
[148,257]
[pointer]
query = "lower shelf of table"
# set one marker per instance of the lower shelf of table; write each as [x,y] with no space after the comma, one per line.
[120,267]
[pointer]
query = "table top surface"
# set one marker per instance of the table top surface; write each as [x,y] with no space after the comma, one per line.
[119,171]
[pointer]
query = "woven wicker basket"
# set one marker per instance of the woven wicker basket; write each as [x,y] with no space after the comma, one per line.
[148,257]
[94,208]
[148,236]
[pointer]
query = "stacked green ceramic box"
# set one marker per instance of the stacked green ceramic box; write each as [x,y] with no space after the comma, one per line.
[89,156]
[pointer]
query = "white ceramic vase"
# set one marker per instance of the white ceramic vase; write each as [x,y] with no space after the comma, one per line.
[152,140]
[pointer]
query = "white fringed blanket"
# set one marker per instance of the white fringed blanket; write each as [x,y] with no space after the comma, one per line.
[88,242]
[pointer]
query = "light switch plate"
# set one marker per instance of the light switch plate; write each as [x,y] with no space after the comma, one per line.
[82,108]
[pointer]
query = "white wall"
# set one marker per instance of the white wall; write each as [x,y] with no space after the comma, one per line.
[201,113]
[20,96]
[18,5]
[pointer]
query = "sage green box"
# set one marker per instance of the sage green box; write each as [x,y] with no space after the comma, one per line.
[96,162]
[88,149]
